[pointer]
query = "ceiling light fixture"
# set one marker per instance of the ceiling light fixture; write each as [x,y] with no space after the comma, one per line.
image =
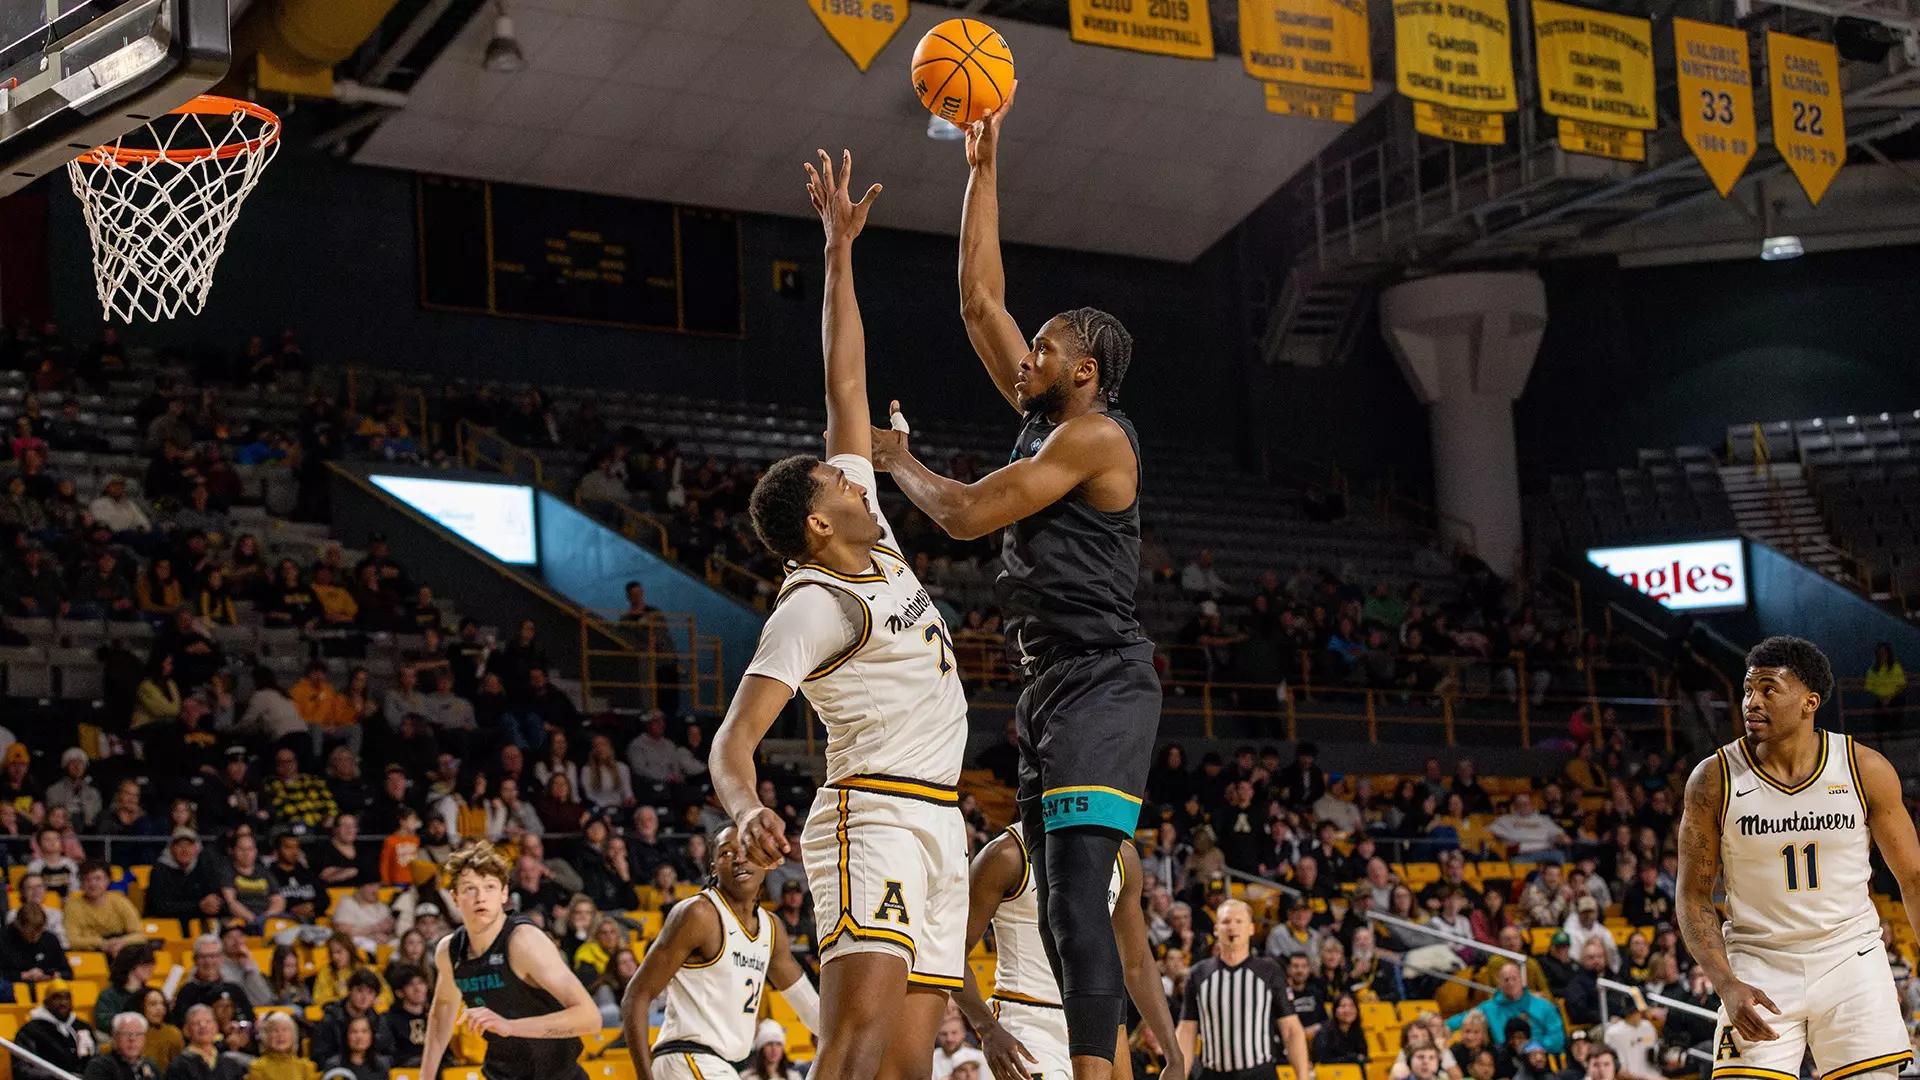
[942,130]
[503,51]
[1779,248]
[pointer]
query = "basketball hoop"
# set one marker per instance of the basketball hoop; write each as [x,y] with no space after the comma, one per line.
[159,201]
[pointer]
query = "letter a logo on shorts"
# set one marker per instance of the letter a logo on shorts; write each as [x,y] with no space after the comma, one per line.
[893,906]
[1726,1051]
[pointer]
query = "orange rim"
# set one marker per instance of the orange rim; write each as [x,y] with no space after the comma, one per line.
[204,105]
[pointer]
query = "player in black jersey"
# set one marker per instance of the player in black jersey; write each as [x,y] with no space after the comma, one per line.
[512,980]
[1069,501]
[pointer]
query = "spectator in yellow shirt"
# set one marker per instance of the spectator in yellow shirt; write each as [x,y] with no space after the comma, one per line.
[282,1060]
[329,714]
[99,919]
[337,606]
[1887,682]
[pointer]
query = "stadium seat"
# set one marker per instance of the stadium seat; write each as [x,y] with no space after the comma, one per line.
[1410,1010]
[614,1067]
[87,965]
[1378,1016]
[1339,1072]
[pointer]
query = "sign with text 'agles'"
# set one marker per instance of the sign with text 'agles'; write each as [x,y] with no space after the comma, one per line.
[1312,102]
[860,27]
[1602,140]
[1594,66]
[1459,125]
[1320,43]
[1808,127]
[1703,575]
[1167,27]
[1457,53]
[1715,77]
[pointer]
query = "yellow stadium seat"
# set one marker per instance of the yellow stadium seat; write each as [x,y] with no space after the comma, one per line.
[1339,1072]
[14,874]
[1411,1010]
[1378,1016]
[593,1044]
[263,956]
[1541,937]
[53,901]
[86,993]
[461,1072]
[1379,1070]
[1421,874]
[616,1067]
[1283,1072]
[88,965]
[403,1074]
[1620,934]
[800,1046]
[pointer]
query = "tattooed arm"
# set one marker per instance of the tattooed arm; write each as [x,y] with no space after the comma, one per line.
[1699,919]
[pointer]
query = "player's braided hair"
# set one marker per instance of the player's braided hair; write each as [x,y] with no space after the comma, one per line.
[1798,655]
[780,503]
[1104,339]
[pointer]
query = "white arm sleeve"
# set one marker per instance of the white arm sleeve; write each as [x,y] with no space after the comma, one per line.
[805,1001]
[860,471]
[810,627]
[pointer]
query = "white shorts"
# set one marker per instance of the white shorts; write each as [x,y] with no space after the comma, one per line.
[889,874]
[692,1066]
[1042,1029]
[1840,1003]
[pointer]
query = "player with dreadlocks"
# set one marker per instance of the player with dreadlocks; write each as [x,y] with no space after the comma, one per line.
[1069,502]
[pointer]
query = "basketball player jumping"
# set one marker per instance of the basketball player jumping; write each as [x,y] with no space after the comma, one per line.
[713,970]
[1024,1033]
[1790,814]
[853,629]
[517,988]
[1070,504]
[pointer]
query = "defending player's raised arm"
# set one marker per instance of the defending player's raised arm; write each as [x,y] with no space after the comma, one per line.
[1694,908]
[689,928]
[755,706]
[442,1013]
[1142,974]
[1075,453]
[843,337]
[537,960]
[983,279]
[790,979]
[996,873]
[1891,825]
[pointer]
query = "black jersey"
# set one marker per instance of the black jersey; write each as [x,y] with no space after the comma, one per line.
[488,981]
[1070,570]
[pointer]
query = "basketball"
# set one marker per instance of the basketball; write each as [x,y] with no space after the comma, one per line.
[962,70]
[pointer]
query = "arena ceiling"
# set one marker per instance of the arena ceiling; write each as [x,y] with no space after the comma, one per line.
[717,103]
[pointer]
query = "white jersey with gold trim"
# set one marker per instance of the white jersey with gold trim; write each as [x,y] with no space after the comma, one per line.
[874,658]
[1797,859]
[715,1006]
[1021,972]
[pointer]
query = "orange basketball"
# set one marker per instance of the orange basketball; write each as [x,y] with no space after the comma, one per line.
[962,70]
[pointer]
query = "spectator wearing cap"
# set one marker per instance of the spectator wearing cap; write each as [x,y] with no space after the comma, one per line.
[1535,1062]
[796,915]
[1634,1040]
[102,591]
[56,1033]
[125,1058]
[769,1060]
[118,511]
[1557,963]
[75,790]
[1302,781]
[184,886]
[206,984]
[99,918]
[1584,925]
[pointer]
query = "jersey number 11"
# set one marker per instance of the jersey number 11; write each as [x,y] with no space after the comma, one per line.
[1811,853]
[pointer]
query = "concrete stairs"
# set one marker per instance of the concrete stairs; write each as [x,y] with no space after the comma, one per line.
[1771,503]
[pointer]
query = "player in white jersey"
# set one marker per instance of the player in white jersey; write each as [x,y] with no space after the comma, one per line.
[1024,1030]
[854,630]
[713,961]
[1790,815]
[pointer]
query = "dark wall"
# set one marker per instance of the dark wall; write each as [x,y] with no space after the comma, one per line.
[1672,355]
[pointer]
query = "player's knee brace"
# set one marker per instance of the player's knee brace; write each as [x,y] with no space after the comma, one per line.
[1078,867]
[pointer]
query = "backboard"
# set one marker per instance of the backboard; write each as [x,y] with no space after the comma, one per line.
[75,74]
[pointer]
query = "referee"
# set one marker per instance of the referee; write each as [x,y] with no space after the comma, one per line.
[1236,1004]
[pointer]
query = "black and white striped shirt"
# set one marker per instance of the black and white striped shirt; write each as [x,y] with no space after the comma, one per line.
[1238,1008]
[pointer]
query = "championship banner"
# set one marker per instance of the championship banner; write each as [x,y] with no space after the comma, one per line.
[1321,43]
[1457,53]
[1167,27]
[1808,127]
[1716,98]
[1602,140]
[1312,102]
[1459,125]
[1594,66]
[860,27]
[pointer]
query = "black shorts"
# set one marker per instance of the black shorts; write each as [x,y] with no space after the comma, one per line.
[1261,1072]
[1087,722]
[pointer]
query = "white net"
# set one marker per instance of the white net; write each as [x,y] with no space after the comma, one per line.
[159,202]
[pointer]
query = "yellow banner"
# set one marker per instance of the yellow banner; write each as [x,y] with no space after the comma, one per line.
[1320,43]
[1716,98]
[1459,125]
[1312,102]
[860,27]
[1594,66]
[1167,27]
[1457,53]
[1602,140]
[1808,127]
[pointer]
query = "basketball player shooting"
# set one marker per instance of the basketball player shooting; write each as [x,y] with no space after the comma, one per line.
[1070,504]
[1790,815]
[713,970]
[854,630]
[517,988]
